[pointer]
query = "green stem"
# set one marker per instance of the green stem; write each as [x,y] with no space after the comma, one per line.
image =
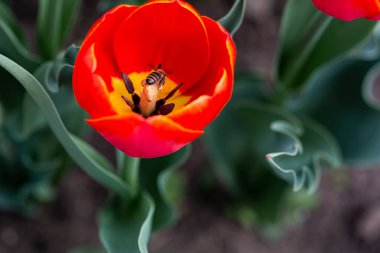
[129,168]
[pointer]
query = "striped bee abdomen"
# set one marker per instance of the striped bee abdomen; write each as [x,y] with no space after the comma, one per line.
[156,77]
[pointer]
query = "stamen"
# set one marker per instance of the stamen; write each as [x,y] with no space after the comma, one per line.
[129,103]
[128,83]
[173,91]
[166,109]
[148,104]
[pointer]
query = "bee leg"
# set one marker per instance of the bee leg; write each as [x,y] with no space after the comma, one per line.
[165,109]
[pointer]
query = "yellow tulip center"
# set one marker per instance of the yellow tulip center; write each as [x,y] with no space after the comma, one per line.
[149,94]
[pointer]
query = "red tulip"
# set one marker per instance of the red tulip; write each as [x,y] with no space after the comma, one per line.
[350,9]
[152,77]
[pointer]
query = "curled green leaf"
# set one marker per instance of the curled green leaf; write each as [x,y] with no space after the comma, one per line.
[53,74]
[371,87]
[302,162]
[234,18]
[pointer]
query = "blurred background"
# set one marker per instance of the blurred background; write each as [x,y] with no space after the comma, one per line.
[342,216]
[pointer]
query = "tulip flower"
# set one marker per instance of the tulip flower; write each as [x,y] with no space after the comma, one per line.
[350,9]
[152,77]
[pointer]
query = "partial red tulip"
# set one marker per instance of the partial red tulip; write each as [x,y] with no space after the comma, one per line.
[348,10]
[152,77]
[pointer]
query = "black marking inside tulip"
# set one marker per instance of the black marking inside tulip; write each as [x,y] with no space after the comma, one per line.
[165,109]
[128,83]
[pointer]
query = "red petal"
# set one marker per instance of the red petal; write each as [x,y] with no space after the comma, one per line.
[215,89]
[170,33]
[89,88]
[144,138]
[350,9]
[96,64]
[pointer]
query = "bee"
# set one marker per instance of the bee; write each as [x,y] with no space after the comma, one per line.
[148,104]
[156,77]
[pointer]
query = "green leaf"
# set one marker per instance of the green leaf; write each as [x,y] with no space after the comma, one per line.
[310,39]
[26,176]
[106,5]
[125,224]
[154,179]
[10,20]
[55,23]
[56,77]
[231,155]
[1,115]
[234,18]
[335,97]
[370,87]
[312,150]
[5,1]
[294,149]
[11,46]
[129,168]
[103,176]
[94,156]
[238,152]
[55,73]
[250,86]
[32,118]
[12,43]
[246,132]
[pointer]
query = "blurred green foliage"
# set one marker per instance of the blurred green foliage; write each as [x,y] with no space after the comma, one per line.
[31,159]
[320,113]
[105,5]
[309,39]
[54,25]
[127,221]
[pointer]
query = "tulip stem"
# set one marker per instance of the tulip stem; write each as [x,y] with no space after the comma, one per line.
[129,170]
